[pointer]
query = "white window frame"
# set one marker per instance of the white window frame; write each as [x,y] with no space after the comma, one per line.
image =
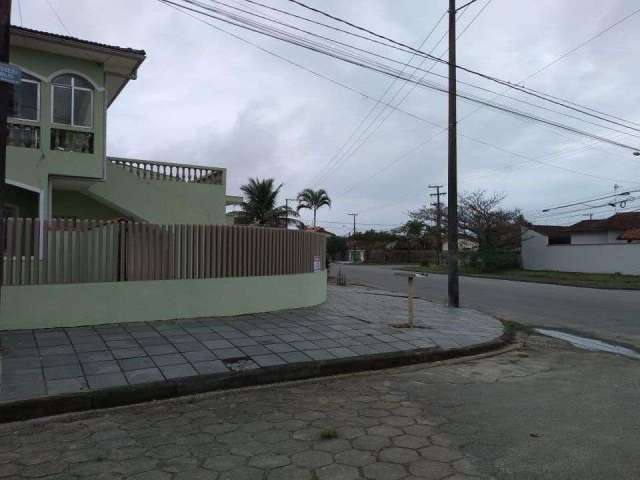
[73,88]
[37,120]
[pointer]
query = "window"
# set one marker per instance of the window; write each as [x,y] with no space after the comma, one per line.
[72,99]
[26,99]
[559,239]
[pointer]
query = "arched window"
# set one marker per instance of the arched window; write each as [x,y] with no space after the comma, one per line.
[72,101]
[26,99]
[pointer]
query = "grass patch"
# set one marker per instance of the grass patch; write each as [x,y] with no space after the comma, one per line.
[576,279]
[511,327]
[328,433]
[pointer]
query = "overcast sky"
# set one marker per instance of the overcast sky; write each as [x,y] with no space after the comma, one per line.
[207,98]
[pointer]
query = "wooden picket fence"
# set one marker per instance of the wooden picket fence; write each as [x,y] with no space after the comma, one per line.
[87,251]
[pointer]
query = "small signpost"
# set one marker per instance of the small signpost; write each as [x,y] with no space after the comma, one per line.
[317,266]
[10,73]
[411,276]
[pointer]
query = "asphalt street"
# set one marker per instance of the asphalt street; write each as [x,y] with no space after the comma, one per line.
[606,314]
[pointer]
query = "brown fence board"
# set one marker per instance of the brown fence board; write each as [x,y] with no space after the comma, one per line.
[80,251]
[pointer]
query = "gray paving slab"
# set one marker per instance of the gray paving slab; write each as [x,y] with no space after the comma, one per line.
[353,322]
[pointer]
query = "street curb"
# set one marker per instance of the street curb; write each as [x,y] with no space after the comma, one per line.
[133,394]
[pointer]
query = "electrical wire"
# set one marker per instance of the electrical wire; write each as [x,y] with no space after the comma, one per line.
[324,77]
[383,69]
[402,100]
[468,70]
[58,17]
[20,12]
[522,89]
[335,157]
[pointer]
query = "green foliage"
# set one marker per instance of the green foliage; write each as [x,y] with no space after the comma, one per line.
[313,200]
[328,433]
[336,247]
[259,206]
[489,260]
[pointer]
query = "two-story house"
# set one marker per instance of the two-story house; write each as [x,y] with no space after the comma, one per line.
[57,166]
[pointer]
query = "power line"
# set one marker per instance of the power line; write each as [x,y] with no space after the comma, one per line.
[586,42]
[383,69]
[378,101]
[20,12]
[320,75]
[413,87]
[58,17]
[558,207]
[468,70]
[522,89]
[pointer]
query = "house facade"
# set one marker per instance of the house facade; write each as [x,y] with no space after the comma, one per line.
[92,239]
[57,165]
[610,245]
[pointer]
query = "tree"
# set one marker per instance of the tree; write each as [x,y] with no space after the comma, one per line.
[480,219]
[259,206]
[337,247]
[313,200]
[496,231]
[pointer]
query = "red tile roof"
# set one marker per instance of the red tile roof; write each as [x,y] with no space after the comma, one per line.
[618,222]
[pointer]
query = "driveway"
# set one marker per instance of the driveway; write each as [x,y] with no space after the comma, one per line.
[607,314]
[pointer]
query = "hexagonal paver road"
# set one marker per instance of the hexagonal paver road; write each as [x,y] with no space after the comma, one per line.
[356,427]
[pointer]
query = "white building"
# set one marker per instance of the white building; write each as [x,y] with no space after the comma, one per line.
[610,245]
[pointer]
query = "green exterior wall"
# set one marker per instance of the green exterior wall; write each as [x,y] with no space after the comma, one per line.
[71,203]
[158,201]
[34,166]
[70,305]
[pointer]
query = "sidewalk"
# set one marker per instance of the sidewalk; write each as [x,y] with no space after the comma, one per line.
[56,370]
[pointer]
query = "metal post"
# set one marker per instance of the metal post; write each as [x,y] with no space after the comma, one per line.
[5,97]
[410,295]
[452,230]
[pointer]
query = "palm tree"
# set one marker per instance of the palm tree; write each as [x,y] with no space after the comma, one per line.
[259,206]
[313,200]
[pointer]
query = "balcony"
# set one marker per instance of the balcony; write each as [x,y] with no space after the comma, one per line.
[71,141]
[171,172]
[25,136]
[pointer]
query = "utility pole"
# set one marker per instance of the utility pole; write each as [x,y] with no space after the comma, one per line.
[452,205]
[6,91]
[438,206]
[354,215]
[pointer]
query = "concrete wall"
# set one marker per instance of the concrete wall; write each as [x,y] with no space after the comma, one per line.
[49,306]
[594,258]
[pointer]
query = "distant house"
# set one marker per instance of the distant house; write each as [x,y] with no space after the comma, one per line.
[610,245]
